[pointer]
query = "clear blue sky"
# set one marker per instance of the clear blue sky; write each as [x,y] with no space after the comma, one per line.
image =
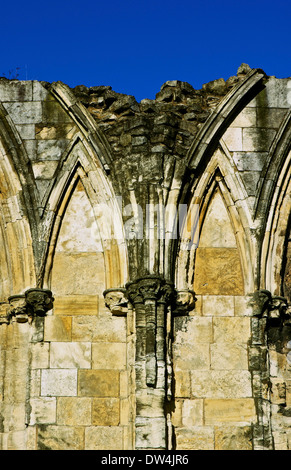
[136,46]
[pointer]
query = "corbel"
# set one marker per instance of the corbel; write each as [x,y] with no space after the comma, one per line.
[116,301]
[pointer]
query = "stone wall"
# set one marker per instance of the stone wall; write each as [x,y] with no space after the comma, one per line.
[145,266]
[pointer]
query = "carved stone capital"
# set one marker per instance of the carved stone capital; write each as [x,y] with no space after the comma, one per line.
[115,300]
[150,288]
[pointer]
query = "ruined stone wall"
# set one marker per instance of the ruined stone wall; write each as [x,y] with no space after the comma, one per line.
[145,266]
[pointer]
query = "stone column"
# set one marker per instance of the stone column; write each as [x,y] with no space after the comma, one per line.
[21,320]
[151,297]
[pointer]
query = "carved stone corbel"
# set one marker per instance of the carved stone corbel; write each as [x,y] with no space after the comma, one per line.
[185,302]
[4,313]
[115,300]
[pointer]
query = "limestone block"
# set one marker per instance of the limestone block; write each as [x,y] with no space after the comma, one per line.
[233,139]
[74,411]
[76,305]
[109,355]
[39,355]
[43,410]
[229,356]
[104,438]
[240,411]
[235,330]
[58,328]
[218,272]
[56,134]
[257,140]
[24,112]
[192,413]
[39,92]
[26,131]
[44,170]
[233,438]
[246,118]
[242,306]
[190,356]
[250,161]
[105,411]
[195,438]
[218,305]
[51,437]
[98,383]
[70,355]
[56,382]
[50,149]
[221,384]
[193,329]
[103,328]
[53,112]
[84,274]
[182,384]
[15,90]
[150,433]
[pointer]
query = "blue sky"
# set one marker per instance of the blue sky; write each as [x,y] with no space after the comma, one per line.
[136,46]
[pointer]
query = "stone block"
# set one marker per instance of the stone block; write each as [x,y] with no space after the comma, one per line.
[105,411]
[221,384]
[58,328]
[76,305]
[229,356]
[246,118]
[53,112]
[74,411]
[50,149]
[242,306]
[218,272]
[192,413]
[39,355]
[150,433]
[15,90]
[98,383]
[191,356]
[250,161]
[24,112]
[70,355]
[44,170]
[104,438]
[56,382]
[26,131]
[241,411]
[235,330]
[233,139]
[218,305]
[109,356]
[52,437]
[43,410]
[233,438]
[54,134]
[182,384]
[195,438]
[257,140]
[192,330]
[89,268]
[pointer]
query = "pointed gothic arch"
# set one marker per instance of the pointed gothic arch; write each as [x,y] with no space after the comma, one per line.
[79,163]
[18,219]
[220,177]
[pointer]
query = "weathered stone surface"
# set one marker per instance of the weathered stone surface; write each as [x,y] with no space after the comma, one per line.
[98,383]
[150,368]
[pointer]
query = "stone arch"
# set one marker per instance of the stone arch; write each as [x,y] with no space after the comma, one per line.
[276,230]
[79,165]
[229,107]
[222,179]
[17,221]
